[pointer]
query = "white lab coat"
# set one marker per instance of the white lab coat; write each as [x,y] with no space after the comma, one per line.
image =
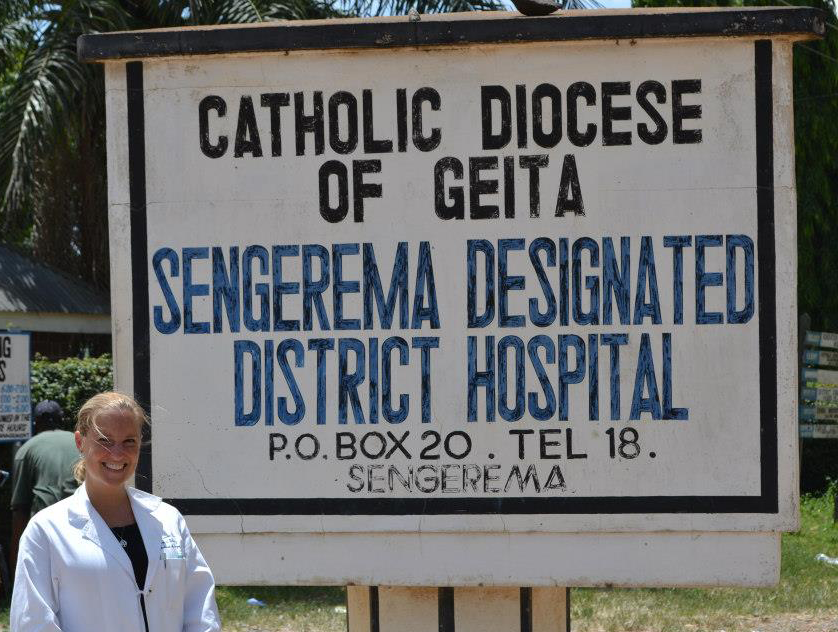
[73,576]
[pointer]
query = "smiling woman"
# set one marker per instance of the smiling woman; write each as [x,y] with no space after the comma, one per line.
[111,556]
[108,435]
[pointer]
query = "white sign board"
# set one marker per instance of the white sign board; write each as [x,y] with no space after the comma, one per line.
[547,286]
[15,399]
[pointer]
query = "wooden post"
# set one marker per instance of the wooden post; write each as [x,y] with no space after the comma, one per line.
[460,609]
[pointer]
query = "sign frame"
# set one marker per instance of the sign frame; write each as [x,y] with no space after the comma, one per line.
[28,336]
[225,519]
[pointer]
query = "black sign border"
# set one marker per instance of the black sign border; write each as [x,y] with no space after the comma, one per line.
[476,28]
[765,503]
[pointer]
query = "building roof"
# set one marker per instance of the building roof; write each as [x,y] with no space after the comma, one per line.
[30,286]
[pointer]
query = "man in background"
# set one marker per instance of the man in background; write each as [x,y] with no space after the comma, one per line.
[43,469]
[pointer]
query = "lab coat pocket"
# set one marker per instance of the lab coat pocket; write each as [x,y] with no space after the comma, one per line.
[174,570]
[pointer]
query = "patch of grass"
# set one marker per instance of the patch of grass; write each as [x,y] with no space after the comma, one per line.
[292,608]
[806,586]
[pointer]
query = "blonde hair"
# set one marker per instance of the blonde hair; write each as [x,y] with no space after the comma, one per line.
[97,406]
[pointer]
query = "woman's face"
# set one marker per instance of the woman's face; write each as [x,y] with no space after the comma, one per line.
[110,455]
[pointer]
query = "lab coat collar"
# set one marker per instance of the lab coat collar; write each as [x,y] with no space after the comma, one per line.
[145,506]
[83,515]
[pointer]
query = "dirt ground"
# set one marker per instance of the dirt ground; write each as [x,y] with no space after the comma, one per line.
[820,622]
[823,622]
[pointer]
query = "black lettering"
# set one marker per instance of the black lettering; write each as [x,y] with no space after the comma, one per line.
[371,145]
[401,119]
[569,184]
[534,163]
[364,190]
[431,97]
[610,113]
[338,144]
[471,475]
[570,453]
[398,444]
[521,434]
[489,478]
[356,474]
[247,134]
[315,447]
[211,102]
[509,186]
[366,448]
[345,446]
[305,124]
[427,483]
[456,209]
[432,445]
[544,139]
[643,91]
[500,94]
[521,114]
[464,452]
[545,443]
[372,479]
[337,213]
[580,89]
[275,101]
[272,447]
[478,187]
[680,112]
[555,480]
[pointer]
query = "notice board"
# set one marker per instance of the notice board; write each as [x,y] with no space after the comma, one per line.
[467,274]
[15,395]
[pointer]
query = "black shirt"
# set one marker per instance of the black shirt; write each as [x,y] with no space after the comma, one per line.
[135,548]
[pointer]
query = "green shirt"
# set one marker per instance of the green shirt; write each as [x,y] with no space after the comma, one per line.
[43,470]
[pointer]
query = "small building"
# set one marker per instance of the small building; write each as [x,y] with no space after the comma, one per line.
[67,317]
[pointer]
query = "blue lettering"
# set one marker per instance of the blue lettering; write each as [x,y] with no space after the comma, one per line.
[285,416]
[191,290]
[281,287]
[507,283]
[704,280]
[569,377]
[262,290]
[646,275]
[240,348]
[473,247]
[373,290]
[591,317]
[400,414]
[744,243]
[225,290]
[481,379]
[535,343]
[164,326]
[425,277]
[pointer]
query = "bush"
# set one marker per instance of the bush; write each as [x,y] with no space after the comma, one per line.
[70,382]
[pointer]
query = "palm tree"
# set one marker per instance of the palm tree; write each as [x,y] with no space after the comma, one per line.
[53,198]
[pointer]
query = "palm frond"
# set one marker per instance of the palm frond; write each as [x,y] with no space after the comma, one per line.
[15,36]
[402,7]
[47,87]
[582,4]
[241,11]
